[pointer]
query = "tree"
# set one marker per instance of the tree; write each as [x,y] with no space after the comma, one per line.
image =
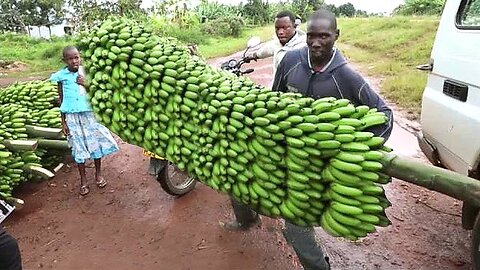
[256,11]
[303,8]
[347,10]
[87,13]
[420,7]
[332,8]
[212,10]
[361,13]
[15,15]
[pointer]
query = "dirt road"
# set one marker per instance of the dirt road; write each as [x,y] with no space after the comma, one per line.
[133,224]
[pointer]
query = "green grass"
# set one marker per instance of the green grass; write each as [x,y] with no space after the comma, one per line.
[390,48]
[41,56]
[217,47]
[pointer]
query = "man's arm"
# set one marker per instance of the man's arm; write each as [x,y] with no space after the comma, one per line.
[370,98]
[357,89]
[266,50]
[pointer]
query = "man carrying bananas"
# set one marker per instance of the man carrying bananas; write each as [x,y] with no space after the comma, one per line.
[317,70]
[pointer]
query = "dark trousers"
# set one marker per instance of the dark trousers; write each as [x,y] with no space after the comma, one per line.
[9,252]
[302,239]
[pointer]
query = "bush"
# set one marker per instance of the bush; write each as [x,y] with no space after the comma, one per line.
[192,35]
[187,33]
[225,26]
[53,51]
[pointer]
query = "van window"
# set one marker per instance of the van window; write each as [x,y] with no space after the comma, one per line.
[469,14]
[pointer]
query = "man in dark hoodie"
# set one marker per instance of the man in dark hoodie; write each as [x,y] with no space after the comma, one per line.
[320,70]
[317,70]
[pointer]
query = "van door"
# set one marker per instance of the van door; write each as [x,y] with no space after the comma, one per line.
[451,100]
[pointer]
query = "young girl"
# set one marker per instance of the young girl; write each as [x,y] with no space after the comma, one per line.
[87,138]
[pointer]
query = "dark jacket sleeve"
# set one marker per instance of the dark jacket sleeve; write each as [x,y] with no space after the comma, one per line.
[280,82]
[363,94]
[370,98]
[10,257]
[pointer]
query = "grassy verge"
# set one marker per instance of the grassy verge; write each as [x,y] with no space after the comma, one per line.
[43,57]
[217,47]
[390,48]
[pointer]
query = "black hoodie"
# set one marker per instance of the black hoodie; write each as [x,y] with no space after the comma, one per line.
[294,74]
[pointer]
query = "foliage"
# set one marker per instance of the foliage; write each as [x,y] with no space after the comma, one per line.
[208,10]
[41,56]
[88,13]
[16,14]
[332,8]
[303,8]
[187,33]
[471,15]
[420,7]
[223,46]
[347,10]
[224,26]
[256,11]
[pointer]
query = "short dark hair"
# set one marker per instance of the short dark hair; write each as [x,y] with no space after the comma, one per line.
[67,49]
[286,13]
[323,14]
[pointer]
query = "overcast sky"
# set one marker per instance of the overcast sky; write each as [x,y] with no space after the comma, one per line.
[371,6]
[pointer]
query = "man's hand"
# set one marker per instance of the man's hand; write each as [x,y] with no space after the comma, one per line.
[81,80]
[250,57]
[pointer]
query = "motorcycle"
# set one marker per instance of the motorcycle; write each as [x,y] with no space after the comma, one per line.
[235,66]
[173,180]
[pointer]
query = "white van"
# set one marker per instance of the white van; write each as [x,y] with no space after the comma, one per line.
[450,117]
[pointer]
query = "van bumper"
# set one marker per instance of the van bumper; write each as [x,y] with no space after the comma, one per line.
[428,149]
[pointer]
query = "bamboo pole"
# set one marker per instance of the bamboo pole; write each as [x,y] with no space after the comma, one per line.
[450,183]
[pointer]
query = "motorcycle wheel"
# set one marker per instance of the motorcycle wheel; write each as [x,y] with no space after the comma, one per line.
[175,181]
[476,244]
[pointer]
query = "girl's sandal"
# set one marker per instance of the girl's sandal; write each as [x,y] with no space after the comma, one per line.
[84,190]
[101,182]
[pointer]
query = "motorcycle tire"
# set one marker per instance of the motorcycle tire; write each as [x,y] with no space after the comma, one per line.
[476,244]
[175,181]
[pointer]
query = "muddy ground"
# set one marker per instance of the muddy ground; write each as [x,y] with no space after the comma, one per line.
[133,224]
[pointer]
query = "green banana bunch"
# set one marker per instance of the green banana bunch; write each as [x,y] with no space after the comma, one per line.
[21,106]
[311,162]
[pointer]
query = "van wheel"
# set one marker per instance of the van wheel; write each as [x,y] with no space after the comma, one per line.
[476,244]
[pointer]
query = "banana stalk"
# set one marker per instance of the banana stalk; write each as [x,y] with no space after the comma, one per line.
[43,132]
[42,172]
[444,181]
[21,145]
[53,144]
[18,203]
